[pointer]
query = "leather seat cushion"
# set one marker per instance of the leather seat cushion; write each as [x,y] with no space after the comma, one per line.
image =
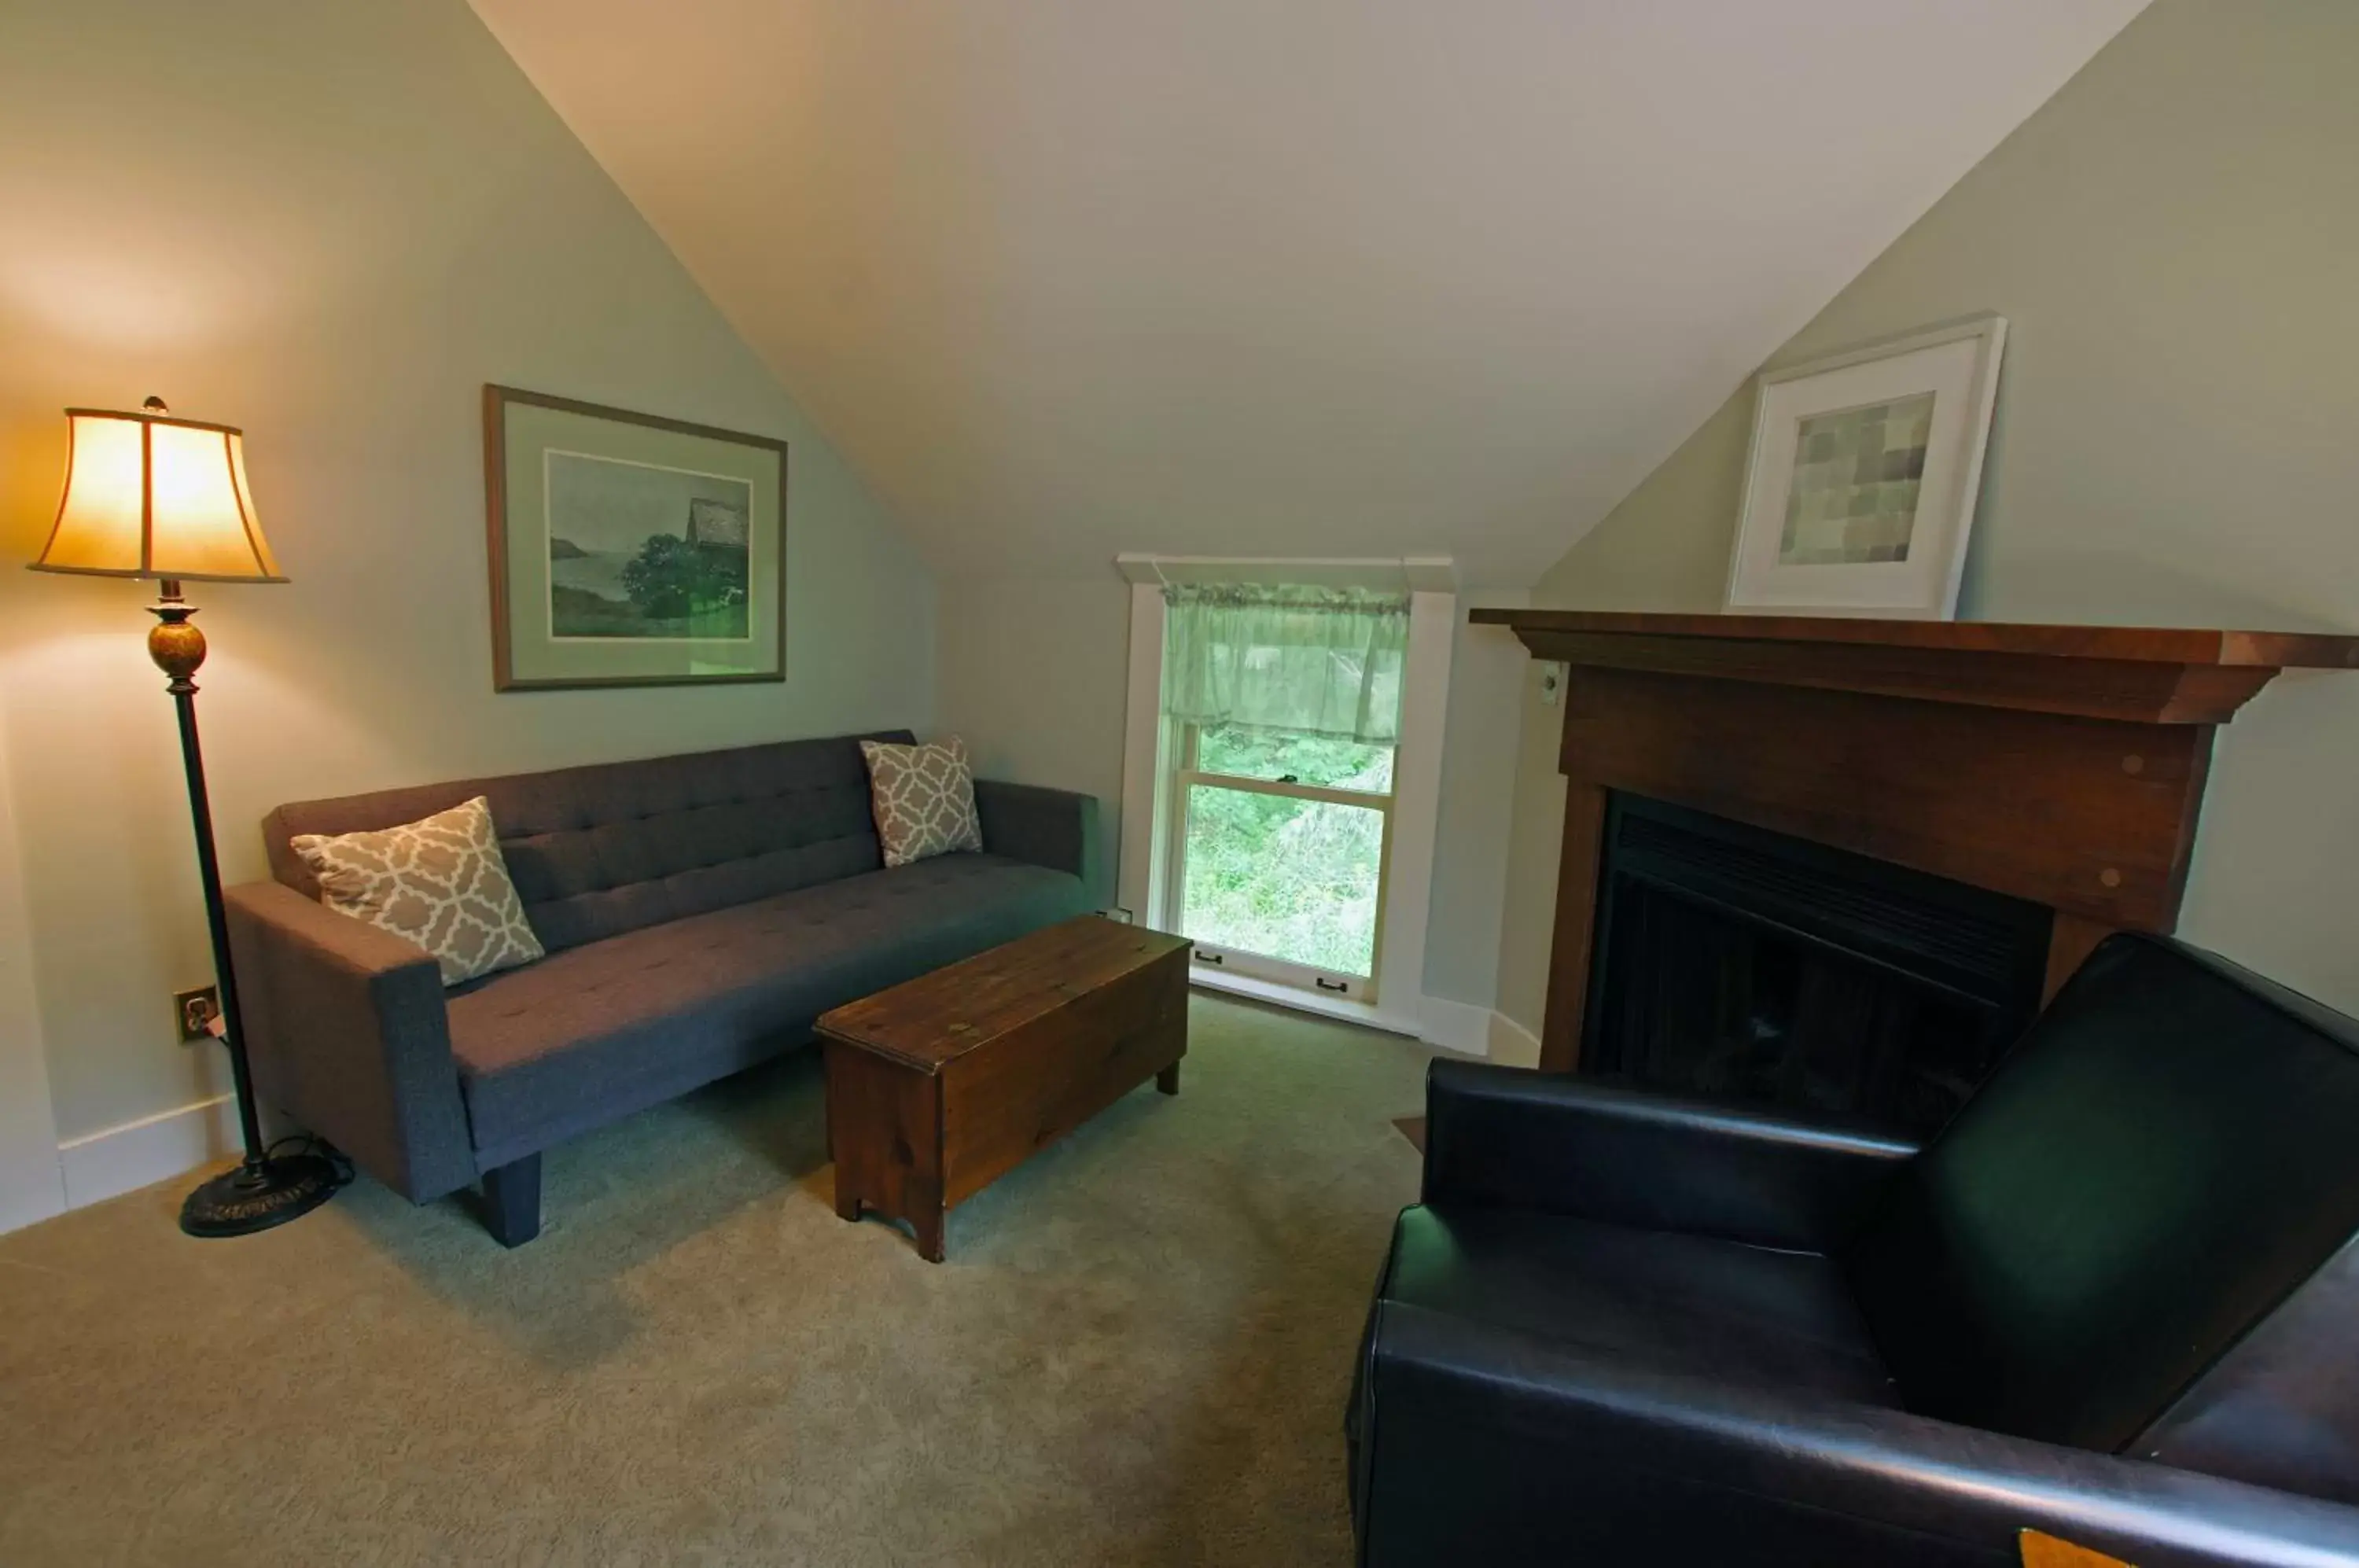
[1680,1304]
[613,1026]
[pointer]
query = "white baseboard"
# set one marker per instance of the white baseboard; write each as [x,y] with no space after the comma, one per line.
[1342,1008]
[1462,1027]
[1473,1030]
[118,1160]
[1467,1027]
[1511,1044]
[42,1197]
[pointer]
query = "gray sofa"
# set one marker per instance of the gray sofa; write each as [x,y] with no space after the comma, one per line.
[700,913]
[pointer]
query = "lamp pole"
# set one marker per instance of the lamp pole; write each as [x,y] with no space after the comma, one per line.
[262,1191]
[178,650]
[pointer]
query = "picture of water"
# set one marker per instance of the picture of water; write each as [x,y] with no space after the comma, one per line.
[592,571]
[639,550]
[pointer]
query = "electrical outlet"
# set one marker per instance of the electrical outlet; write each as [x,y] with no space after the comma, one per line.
[196,1012]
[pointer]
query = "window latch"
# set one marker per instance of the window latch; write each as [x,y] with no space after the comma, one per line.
[1204,957]
[1288,778]
[1326,985]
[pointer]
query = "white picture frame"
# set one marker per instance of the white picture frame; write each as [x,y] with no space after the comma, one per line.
[1861,481]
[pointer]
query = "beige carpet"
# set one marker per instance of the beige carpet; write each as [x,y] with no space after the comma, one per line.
[1137,1352]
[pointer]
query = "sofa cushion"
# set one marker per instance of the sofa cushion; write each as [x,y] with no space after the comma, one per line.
[620,847]
[611,1027]
[439,882]
[923,797]
[1688,1305]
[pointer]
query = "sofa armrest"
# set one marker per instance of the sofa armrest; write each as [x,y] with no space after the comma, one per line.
[1508,1448]
[1512,1137]
[1056,828]
[346,1031]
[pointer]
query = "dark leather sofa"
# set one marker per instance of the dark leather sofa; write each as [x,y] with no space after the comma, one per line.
[2116,1301]
[700,912]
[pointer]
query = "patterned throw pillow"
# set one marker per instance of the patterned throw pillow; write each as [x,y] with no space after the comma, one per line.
[924,799]
[439,882]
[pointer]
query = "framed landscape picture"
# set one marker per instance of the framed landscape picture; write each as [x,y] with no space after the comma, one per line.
[1860,489]
[631,551]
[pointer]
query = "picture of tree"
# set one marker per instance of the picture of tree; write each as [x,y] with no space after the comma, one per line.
[637,551]
[672,579]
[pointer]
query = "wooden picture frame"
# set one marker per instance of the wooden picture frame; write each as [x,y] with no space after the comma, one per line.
[679,576]
[1863,474]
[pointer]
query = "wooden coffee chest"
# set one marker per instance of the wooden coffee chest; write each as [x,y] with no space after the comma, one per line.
[938,1087]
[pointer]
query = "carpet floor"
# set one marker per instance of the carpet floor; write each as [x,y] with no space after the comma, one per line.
[1137,1352]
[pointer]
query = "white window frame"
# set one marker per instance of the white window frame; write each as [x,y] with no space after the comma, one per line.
[1393,998]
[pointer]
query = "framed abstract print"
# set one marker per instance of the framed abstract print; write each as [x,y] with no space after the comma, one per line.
[1859,488]
[631,551]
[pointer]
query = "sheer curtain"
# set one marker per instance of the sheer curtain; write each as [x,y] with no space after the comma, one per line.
[1321,661]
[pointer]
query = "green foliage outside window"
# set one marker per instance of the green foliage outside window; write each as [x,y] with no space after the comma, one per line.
[1280,876]
[1308,759]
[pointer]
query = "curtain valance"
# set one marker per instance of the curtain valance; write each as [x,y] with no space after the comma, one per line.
[1322,661]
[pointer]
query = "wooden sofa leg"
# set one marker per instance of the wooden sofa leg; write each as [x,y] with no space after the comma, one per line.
[512,1200]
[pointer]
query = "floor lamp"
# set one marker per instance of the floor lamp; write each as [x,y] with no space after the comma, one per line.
[148,496]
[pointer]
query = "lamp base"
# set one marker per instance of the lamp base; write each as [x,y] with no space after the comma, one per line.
[260,1194]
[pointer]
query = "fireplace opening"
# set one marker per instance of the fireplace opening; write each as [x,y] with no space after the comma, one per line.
[1740,965]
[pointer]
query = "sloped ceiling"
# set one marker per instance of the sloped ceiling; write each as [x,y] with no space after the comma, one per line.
[1279,276]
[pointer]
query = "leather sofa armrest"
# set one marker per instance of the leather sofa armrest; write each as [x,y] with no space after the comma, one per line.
[1056,828]
[346,1031]
[1510,1448]
[1512,1137]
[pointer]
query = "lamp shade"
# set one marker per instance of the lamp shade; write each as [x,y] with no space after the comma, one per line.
[150,495]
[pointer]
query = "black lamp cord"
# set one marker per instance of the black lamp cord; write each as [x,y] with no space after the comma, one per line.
[299,1143]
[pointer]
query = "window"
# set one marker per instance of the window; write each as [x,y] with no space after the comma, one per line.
[1281,853]
[1284,707]
[1282,773]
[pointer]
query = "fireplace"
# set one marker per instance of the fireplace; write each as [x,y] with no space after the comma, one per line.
[1735,964]
[1810,861]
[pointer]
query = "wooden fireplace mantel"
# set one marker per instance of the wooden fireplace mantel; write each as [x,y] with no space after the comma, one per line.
[2063,764]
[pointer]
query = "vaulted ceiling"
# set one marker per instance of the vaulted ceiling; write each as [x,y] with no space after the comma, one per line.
[1064,277]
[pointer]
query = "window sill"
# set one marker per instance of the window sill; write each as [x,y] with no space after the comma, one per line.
[1365,1014]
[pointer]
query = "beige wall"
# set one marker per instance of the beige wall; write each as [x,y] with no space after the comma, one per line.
[1035,676]
[1487,668]
[2172,239]
[32,1184]
[331,224]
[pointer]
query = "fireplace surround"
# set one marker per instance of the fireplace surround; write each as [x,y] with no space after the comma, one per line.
[1733,962]
[2060,767]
